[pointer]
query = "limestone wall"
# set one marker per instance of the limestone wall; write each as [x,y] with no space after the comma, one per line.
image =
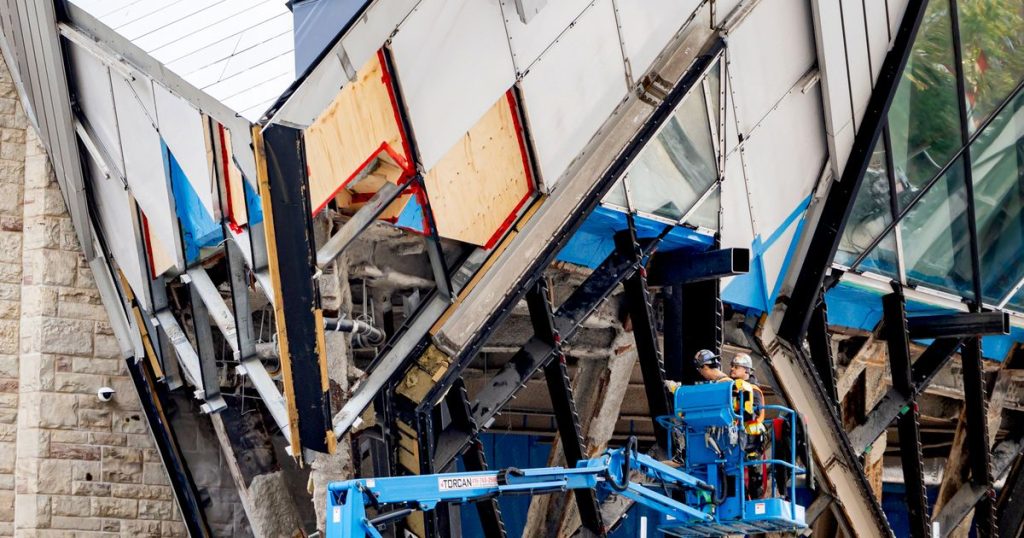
[69,464]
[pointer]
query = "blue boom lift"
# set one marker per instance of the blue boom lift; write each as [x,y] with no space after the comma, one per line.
[703,496]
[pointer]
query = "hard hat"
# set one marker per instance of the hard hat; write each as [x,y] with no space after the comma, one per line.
[705,357]
[742,359]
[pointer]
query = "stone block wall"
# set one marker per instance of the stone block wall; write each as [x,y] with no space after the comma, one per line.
[70,465]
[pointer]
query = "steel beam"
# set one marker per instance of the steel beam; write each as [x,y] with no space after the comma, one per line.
[681,267]
[820,342]
[1007,456]
[976,419]
[898,342]
[894,402]
[562,402]
[365,216]
[1011,498]
[835,211]
[960,324]
[672,332]
[645,333]
[281,171]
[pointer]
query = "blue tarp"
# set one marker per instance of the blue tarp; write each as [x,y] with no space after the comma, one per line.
[198,229]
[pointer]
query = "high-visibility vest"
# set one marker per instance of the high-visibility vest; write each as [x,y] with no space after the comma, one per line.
[753,406]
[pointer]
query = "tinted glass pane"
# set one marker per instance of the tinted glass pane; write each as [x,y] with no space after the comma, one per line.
[617,195]
[871,210]
[1017,303]
[992,37]
[678,166]
[882,260]
[997,168]
[707,214]
[936,242]
[924,119]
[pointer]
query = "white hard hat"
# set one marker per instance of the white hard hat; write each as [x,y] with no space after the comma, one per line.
[742,359]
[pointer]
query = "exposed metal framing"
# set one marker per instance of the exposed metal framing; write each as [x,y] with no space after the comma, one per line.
[976,418]
[474,458]
[897,339]
[355,225]
[1011,517]
[645,331]
[925,368]
[819,341]
[562,401]
[681,267]
[961,324]
[209,380]
[842,194]
[672,332]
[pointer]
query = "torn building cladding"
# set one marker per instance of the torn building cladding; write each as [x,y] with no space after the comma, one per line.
[408,236]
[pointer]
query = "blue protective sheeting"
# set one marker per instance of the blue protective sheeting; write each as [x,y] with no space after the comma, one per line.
[253,204]
[858,307]
[197,225]
[411,217]
[595,239]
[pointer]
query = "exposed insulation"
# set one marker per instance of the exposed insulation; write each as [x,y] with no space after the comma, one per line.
[357,132]
[478,186]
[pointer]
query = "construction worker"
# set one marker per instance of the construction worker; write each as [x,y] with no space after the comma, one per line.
[709,365]
[741,371]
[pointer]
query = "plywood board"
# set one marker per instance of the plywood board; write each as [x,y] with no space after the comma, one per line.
[479,185]
[648,25]
[144,163]
[452,62]
[573,88]
[358,126]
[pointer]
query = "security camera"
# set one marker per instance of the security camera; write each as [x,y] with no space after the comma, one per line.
[105,394]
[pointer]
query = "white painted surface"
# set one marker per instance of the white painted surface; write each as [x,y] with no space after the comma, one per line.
[857,58]
[453,63]
[647,25]
[835,83]
[573,89]
[143,162]
[181,126]
[770,51]
[528,41]
[788,150]
[876,17]
[737,230]
[210,43]
[92,85]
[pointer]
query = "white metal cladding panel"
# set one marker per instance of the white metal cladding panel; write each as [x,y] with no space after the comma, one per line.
[876,18]
[770,51]
[784,159]
[182,129]
[228,37]
[93,92]
[896,10]
[367,35]
[573,89]
[528,41]
[114,207]
[724,8]
[831,48]
[737,231]
[857,57]
[453,62]
[143,161]
[647,25]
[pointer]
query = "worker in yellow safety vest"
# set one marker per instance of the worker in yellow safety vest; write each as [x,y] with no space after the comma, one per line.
[746,391]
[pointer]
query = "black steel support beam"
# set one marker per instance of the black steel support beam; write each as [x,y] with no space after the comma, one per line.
[898,342]
[924,369]
[291,249]
[474,458]
[562,402]
[536,353]
[976,418]
[681,267]
[820,342]
[701,305]
[841,195]
[645,334]
[962,324]
[672,332]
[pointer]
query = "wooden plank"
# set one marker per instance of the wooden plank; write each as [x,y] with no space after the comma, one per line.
[477,188]
[361,124]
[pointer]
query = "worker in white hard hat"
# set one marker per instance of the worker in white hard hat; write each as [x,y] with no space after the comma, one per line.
[746,390]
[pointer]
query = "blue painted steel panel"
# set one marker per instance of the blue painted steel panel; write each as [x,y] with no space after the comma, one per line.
[198,227]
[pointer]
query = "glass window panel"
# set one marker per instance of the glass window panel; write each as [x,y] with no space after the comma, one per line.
[871,210]
[924,119]
[935,236]
[992,38]
[714,88]
[882,260]
[617,194]
[997,168]
[706,215]
[678,166]
[1017,303]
